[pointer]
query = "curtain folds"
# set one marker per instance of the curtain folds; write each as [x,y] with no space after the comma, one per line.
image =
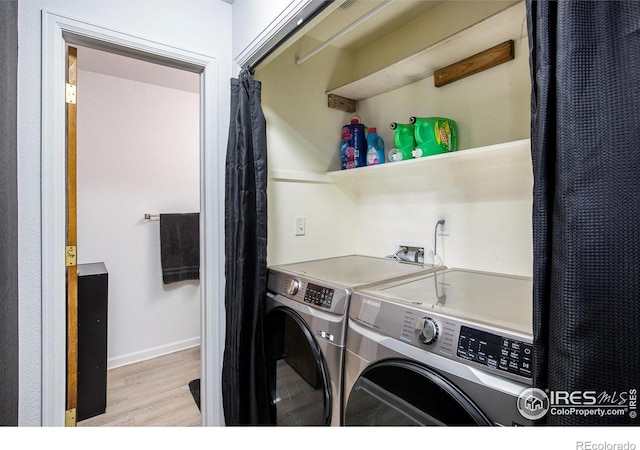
[585,142]
[244,387]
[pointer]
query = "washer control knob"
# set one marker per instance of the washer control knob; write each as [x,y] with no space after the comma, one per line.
[294,286]
[427,330]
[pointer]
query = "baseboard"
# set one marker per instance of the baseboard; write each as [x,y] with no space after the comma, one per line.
[151,353]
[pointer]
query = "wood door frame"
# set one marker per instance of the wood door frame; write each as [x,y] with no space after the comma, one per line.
[57,32]
[71,115]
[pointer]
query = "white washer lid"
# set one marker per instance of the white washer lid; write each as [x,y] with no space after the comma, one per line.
[492,299]
[355,270]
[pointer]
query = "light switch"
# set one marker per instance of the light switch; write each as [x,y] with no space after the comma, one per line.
[300,226]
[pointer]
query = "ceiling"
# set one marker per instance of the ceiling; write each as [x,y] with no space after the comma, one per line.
[114,65]
[389,18]
[386,20]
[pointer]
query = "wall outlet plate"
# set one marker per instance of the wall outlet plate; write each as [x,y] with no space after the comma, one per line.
[444,229]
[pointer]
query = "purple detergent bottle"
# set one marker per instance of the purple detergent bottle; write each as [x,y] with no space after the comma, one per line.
[353,146]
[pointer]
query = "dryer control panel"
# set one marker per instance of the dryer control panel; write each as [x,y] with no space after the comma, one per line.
[496,352]
[325,297]
[318,295]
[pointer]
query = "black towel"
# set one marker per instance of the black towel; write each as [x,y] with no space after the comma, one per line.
[180,247]
[194,388]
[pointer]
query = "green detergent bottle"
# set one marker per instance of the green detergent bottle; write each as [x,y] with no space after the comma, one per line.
[404,141]
[434,135]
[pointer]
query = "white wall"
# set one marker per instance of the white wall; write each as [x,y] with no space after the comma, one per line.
[490,209]
[258,24]
[251,17]
[300,147]
[197,26]
[138,152]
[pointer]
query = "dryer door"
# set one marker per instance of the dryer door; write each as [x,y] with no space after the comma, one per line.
[403,393]
[297,373]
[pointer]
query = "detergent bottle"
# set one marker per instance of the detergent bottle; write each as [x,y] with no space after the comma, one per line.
[434,135]
[404,141]
[375,148]
[353,146]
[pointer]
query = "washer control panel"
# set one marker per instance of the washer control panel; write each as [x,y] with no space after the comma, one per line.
[478,345]
[318,295]
[427,330]
[496,352]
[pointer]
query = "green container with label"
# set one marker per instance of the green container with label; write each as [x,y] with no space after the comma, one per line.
[404,141]
[434,135]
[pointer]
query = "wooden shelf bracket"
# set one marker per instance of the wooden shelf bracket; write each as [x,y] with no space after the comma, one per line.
[342,103]
[477,63]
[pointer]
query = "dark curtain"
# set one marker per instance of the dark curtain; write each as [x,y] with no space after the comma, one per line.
[9,215]
[244,386]
[585,139]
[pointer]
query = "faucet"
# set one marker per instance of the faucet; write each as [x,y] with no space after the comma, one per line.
[400,250]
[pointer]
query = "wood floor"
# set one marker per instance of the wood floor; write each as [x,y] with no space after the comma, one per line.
[298,403]
[153,393]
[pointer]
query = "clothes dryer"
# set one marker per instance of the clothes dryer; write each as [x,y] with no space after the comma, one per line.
[449,348]
[305,325]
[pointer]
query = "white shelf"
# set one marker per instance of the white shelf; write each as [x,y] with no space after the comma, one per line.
[298,176]
[516,154]
[505,25]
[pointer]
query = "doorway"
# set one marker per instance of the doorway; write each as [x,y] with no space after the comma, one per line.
[138,156]
[58,31]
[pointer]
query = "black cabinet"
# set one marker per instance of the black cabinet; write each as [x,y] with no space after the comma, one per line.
[93,283]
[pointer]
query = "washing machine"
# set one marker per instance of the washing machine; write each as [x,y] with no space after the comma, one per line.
[304,332]
[452,347]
